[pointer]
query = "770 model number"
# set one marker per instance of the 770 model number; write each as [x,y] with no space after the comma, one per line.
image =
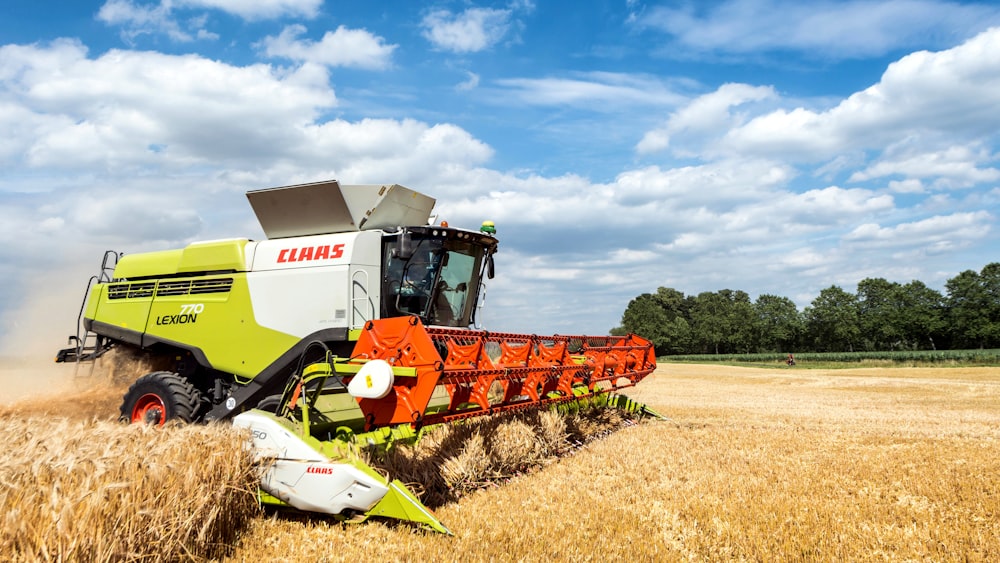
[189,314]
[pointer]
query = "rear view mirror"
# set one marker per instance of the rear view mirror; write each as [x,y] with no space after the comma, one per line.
[403,249]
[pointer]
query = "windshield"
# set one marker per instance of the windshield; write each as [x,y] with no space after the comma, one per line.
[436,279]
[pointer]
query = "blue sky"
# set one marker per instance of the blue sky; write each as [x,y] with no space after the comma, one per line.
[771,146]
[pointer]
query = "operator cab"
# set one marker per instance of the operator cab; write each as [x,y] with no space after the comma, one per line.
[435,273]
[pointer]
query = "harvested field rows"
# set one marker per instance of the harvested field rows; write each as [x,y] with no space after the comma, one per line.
[755,464]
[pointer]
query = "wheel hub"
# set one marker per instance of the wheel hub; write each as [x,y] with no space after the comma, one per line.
[149,409]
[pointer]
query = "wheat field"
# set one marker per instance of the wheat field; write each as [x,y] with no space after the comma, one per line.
[752,465]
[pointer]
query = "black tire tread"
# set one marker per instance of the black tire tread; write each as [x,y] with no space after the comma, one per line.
[270,403]
[181,398]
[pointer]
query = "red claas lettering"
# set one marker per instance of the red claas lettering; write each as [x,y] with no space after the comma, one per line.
[311,253]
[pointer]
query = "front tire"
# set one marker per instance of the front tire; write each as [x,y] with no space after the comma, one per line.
[270,403]
[158,397]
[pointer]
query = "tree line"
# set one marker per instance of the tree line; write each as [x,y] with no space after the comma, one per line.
[881,315]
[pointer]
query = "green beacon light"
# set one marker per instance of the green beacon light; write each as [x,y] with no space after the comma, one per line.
[488,227]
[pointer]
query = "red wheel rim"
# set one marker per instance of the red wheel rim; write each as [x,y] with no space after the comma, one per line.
[149,409]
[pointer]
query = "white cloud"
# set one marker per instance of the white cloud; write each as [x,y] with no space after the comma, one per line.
[952,167]
[341,48]
[804,258]
[144,19]
[164,17]
[601,91]
[475,29]
[704,117]
[908,186]
[470,83]
[719,184]
[257,9]
[836,202]
[130,108]
[149,217]
[408,152]
[923,95]
[948,231]
[629,255]
[823,29]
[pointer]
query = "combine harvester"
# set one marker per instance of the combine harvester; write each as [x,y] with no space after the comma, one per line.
[347,328]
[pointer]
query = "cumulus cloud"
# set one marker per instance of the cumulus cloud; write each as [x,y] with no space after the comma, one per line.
[951,167]
[938,233]
[923,95]
[719,184]
[475,29]
[705,117]
[340,48]
[131,108]
[147,19]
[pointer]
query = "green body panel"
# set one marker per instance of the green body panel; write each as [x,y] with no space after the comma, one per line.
[212,313]
[401,504]
[128,313]
[214,256]
[210,256]
[223,327]
[147,264]
[93,298]
[333,410]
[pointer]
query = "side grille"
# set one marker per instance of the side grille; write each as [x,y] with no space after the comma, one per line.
[131,290]
[194,287]
[137,290]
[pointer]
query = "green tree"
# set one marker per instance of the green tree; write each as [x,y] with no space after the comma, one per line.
[880,313]
[990,279]
[660,318]
[921,312]
[832,320]
[974,307]
[707,322]
[966,312]
[644,316]
[741,321]
[722,321]
[777,323]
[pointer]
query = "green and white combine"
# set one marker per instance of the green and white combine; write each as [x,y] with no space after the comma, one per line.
[347,327]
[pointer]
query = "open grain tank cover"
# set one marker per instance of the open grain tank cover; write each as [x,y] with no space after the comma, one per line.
[328,207]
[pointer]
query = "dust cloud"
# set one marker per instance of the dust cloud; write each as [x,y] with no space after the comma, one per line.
[34,332]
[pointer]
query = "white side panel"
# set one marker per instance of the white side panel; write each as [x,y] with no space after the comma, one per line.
[305,284]
[306,252]
[300,302]
[366,291]
[299,475]
[330,488]
[271,440]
